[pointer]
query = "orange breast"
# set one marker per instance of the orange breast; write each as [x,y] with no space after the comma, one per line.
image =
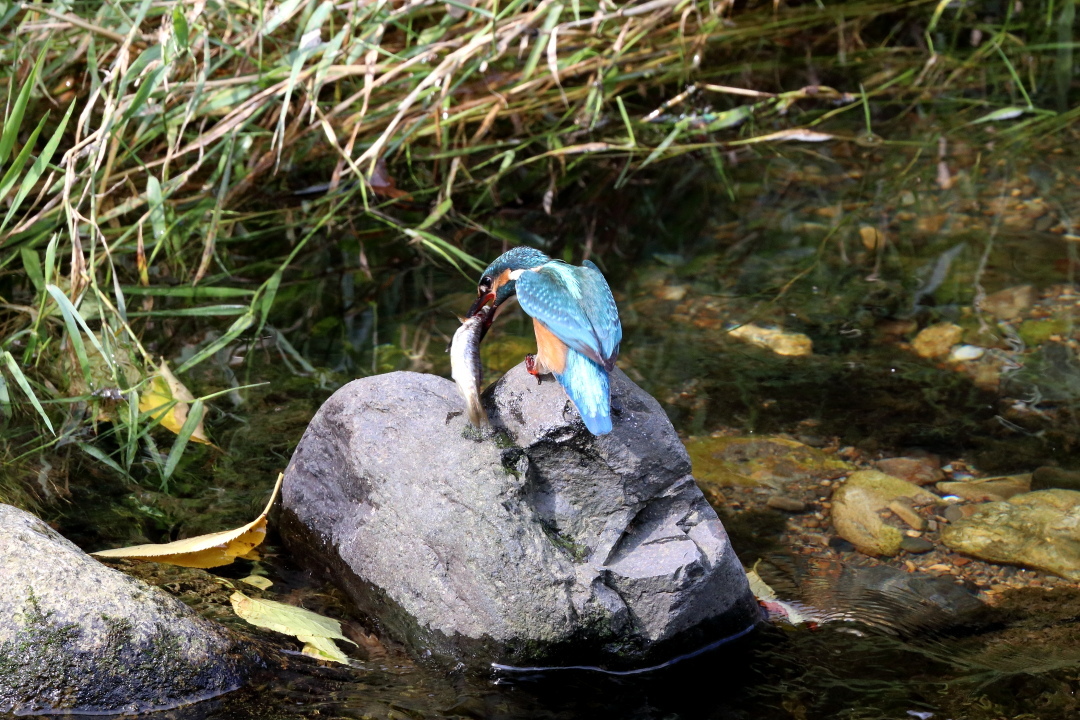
[550,350]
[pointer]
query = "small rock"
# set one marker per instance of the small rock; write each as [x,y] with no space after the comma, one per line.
[965,353]
[918,470]
[791,505]
[955,513]
[1045,478]
[904,509]
[936,341]
[916,545]
[1036,529]
[779,341]
[1009,303]
[988,489]
[858,501]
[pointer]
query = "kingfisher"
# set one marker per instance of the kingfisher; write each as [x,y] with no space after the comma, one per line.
[575,320]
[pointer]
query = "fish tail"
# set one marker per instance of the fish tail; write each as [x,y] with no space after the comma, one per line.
[477,413]
[586,382]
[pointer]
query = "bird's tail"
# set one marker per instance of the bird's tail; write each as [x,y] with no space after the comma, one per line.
[586,382]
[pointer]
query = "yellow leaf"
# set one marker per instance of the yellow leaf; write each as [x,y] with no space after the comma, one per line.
[317,632]
[204,551]
[258,581]
[324,649]
[164,388]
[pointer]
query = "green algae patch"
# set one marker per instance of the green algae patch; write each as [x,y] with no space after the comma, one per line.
[1037,331]
[765,461]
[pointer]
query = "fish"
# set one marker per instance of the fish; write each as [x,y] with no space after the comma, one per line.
[465,362]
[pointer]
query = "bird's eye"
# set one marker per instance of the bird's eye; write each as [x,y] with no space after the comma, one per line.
[484,286]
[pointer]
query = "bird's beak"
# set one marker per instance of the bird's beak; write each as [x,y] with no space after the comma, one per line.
[480,302]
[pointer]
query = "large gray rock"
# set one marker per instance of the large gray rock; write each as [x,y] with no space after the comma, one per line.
[76,636]
[529,543]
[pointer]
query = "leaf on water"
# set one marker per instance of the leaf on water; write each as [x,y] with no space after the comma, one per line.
[317,632]
[204,551]
[162,390]
[325,649]
[258,581]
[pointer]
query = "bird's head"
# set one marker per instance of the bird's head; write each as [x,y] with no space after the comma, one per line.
[498,283]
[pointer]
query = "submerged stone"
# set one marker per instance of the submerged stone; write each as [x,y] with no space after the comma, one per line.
[1038,529]
[936,341]
[79,637]
[529,543]
[749,461]
[857,505]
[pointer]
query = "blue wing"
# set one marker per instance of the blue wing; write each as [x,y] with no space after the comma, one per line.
[576,304]
[586,383]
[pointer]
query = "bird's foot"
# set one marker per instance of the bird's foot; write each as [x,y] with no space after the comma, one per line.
[532,369]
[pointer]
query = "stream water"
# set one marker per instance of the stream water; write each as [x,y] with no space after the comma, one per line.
[854,245]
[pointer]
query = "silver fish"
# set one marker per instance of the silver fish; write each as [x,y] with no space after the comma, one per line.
[465,362]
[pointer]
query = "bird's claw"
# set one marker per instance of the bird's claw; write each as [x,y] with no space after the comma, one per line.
[530,367]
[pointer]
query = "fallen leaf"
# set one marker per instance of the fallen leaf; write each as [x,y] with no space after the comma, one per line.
[317,632]
[162,390]
[203,551]
[258,581]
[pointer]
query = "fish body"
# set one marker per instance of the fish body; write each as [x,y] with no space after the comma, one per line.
[465,365]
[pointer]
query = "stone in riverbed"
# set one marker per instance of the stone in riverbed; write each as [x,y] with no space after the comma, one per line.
[537,543]
[1038,529]
[79,637]
[858,502]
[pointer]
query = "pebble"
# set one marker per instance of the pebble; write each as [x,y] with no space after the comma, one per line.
[791,505]
[921,471]
[936,341]
[916,545]
[905,510]
[988,489]
[964,353]
[1009,303]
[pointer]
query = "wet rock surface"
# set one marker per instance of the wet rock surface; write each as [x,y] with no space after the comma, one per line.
[1039,529]
[531,542]
[77,636]
[858,502]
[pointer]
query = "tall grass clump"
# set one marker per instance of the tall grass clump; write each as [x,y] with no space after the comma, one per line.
[184,180]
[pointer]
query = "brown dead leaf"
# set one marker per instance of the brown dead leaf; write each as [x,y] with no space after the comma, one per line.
[203,551]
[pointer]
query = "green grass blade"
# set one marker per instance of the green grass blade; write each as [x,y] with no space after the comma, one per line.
[13,122]
[15,169]
[24,384]
[38,168]
[157,207]
[5,398]
[101,457]
[71,312]
[32,265]
[238,327]
[195,413]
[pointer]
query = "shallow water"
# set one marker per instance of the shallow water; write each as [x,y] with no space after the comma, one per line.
[837,241]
